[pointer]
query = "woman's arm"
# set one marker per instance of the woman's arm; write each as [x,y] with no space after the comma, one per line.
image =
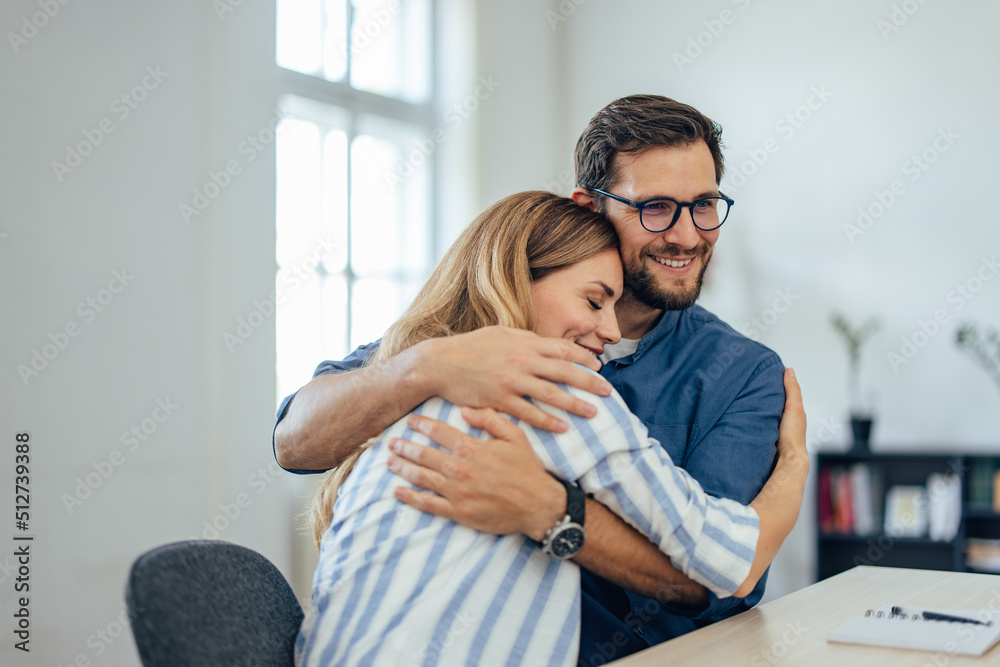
[528,502]
[644,569]
[717,542]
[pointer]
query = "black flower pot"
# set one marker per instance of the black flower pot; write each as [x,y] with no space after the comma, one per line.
[861,428]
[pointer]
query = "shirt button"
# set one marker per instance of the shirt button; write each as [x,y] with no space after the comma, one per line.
[638,630]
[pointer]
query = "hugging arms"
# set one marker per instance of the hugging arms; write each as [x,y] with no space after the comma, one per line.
[711,397]
[391,578]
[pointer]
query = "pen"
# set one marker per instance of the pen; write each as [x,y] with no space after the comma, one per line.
[934,616]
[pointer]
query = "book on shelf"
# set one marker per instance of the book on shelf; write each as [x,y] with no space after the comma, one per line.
[906,511]
[944,512]
[845,502]
[996,491]
[826,521]
[981,478]
[983,554]
[853,501]
[850,499]
[866,487]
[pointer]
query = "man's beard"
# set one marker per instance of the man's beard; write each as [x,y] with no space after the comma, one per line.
[639,281]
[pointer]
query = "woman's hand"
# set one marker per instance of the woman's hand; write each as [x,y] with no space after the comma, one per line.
[778,503]
[792,430]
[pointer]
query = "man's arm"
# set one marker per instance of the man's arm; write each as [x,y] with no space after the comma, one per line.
[492,367]
[327,418]
[644,568]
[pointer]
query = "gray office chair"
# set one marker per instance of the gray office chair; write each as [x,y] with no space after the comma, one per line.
[212,603]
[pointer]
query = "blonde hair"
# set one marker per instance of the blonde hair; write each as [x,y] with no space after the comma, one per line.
[484,279]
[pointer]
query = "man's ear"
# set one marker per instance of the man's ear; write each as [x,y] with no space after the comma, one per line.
[582,197]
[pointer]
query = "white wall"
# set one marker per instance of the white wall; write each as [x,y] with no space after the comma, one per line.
[160,337]
[206,469]
[884,99]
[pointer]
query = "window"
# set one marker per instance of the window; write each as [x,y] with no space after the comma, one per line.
[354,189]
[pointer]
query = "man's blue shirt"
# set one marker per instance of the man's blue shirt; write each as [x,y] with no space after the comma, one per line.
[713,399]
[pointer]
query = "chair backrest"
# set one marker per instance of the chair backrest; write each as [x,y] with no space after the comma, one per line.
[208,602]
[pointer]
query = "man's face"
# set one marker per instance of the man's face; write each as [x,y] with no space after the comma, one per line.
[664,270]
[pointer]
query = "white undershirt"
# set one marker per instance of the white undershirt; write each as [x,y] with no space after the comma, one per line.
[622,348]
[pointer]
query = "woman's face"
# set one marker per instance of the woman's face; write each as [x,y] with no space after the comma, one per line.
[578,302]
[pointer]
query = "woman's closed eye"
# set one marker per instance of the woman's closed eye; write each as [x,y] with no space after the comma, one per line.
[594,304]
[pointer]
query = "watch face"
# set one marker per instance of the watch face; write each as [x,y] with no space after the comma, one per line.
[568,542]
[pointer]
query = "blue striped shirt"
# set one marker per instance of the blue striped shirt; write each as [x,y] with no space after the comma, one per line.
[398,586]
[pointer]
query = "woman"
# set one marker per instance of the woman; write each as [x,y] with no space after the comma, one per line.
[397,586]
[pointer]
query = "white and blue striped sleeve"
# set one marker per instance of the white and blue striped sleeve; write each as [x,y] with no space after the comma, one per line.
[709,539]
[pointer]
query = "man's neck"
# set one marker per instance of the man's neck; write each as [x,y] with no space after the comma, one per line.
[635,319]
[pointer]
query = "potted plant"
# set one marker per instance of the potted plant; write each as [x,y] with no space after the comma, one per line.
[983,347]
[861,412]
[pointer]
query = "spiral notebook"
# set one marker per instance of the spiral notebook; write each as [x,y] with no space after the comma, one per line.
[909,627]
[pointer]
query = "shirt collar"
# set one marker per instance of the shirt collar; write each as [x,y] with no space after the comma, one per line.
[668,323]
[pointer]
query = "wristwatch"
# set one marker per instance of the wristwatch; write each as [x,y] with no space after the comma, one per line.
[565,539]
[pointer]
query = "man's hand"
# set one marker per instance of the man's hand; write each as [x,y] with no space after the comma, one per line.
[494,486]
[498,367]
[495,367]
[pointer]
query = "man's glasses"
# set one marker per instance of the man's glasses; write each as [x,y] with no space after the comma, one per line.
[660,213]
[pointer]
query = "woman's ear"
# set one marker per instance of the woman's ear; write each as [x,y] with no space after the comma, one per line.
[583,198]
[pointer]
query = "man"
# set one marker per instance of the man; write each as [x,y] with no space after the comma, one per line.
[710,396]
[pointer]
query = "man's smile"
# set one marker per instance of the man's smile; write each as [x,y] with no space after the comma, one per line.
[673,263]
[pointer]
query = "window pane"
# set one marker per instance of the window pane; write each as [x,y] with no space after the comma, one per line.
[298,334]
[390,48]
[390,231]
[335,199]
[335,343]
[335,40]
[376,304]
[312,37]
[300,35]
[298,190]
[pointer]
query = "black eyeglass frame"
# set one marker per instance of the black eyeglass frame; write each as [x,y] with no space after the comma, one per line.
[677,214]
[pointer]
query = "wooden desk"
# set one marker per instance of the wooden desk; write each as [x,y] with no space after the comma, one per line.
[792,630]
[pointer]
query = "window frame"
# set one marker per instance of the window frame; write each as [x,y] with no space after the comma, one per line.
[354,103]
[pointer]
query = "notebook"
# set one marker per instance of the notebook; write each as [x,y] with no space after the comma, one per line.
[907,627]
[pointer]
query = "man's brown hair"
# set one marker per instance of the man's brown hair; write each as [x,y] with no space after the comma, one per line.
[634,124]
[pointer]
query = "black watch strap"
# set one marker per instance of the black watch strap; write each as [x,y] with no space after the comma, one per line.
[565,539]
[576,502]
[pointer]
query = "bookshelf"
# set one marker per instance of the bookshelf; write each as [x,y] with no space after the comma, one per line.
[853,495]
